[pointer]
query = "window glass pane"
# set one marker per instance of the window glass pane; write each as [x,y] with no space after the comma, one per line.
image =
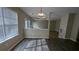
[0,12]
[27,24]
[9,13]
[40,24]
[8,23]
[10,28]
[1,30]
[11,23]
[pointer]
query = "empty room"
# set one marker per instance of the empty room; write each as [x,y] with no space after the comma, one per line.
[39,29]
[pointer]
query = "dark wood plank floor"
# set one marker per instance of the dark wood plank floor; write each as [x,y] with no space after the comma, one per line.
[62,45]
[47,45]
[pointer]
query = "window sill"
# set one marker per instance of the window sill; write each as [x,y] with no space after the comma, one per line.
[6,39]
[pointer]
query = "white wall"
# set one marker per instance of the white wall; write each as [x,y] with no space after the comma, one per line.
[63,25]
[36,33]
[75,28]
[57,24]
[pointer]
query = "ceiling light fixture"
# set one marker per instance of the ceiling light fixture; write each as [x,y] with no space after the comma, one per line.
[41,14]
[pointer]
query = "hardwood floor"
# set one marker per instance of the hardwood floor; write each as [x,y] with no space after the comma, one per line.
[62,45]
[47,45]
[32,45]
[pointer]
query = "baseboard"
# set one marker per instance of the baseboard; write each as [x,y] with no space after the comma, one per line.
[73,40]
[70,39]
[37,37]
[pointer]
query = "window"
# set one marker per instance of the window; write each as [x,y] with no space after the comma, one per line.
[1,26]
[8,24]
[36,24]
[27,23]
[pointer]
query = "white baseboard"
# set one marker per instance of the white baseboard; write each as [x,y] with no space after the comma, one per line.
[38,37]
[70,39]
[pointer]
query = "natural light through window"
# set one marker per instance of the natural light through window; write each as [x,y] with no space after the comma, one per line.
[8,24]
[36,24]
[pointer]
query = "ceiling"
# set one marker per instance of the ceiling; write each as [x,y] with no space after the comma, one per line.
[56,12]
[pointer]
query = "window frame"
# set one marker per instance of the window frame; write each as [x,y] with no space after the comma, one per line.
[3,25]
